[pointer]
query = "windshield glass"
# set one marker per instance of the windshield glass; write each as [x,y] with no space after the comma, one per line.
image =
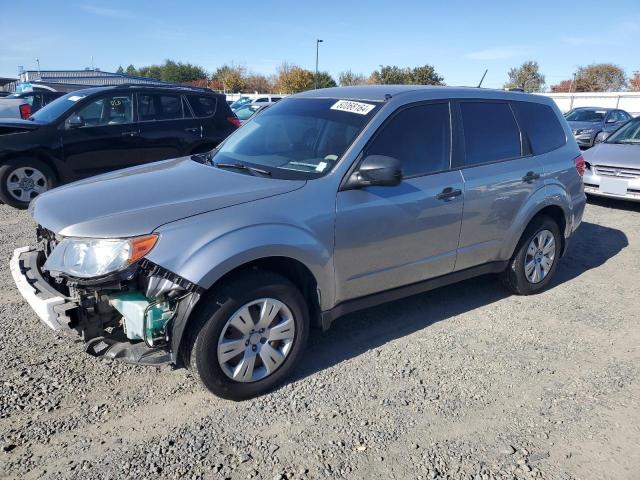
[57,108]
[240,102]
[297,138]
[244,113]
[629,133]
[586,116]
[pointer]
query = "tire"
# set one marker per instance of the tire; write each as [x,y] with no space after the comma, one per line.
[36,178]
[516,277]
[213,322]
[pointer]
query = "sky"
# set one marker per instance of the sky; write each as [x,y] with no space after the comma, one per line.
[459,38]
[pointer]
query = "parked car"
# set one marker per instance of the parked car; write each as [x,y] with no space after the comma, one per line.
[329,201]
[587,123]
[255,99]
[96,130]
[248,111]
[24,104]
[613,167]
[4,94]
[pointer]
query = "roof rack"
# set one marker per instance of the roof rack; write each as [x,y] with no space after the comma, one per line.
[171,86]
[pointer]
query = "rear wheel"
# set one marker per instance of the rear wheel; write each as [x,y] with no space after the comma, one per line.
[23,180]
[248,335]
[535,259]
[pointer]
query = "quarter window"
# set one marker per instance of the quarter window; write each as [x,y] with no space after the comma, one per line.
[202,106]
[490,132]
[541,126]
[419,137]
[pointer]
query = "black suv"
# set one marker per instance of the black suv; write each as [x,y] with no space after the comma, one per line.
[96,130]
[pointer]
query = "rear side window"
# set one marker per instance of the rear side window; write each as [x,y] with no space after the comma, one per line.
[490,132]
[541,125]
[159,106]
[202,106]
[419,137]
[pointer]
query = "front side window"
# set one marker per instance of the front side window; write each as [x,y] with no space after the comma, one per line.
[114,109]
[419,137]
[159,106]
[300,138]
[490,132]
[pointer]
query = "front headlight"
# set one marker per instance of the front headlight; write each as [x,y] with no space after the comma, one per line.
[585,131]
[95,257]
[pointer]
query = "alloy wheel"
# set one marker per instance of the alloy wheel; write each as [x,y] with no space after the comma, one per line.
[540,256]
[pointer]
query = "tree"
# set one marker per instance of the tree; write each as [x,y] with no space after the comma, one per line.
[255,82]
[172,71]
[131,70]
[292,78]
[120,70]
[391,75]
[634,82]
[232,77]
[564,86]
[325,80]
[527,77]
[349,78]
[600,77]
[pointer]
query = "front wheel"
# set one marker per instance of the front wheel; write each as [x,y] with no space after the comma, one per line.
[248,335]
[23,180]
[535,259]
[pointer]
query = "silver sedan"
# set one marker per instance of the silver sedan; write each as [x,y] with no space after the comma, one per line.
[613,167]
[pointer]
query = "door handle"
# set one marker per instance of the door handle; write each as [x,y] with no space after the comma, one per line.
[448,193]
[132,133]
[530,177]
[192,130]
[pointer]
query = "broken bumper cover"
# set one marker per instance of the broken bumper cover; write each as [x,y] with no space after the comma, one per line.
[43,299]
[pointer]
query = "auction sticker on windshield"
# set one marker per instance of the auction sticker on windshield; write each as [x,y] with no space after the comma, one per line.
[353,107]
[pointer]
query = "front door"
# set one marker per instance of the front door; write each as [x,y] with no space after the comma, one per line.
[386,237]
[107,138]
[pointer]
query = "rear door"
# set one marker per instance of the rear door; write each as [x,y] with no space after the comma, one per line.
[500,174]
[386,237]
[107,140]
[213,115]
[167,127]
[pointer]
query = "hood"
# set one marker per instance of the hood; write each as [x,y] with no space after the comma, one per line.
[136,201]
[577,125]
[15,125]
[614,155]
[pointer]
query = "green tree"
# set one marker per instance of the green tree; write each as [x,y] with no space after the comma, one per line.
[349,78]
[426,75]
[120,70]
[393,75]
[172,71]
[600,77]
[131,70]
[527,77]
[325,80]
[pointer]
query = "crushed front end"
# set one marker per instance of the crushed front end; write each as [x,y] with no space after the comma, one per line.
[135,314]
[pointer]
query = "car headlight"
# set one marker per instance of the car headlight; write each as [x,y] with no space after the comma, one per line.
[95,257]
[585,131]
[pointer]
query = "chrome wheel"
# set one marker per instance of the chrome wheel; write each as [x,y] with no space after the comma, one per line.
[26,183]
[540,256]
[256,340]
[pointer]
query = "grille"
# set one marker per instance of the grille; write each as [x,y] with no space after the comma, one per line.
[618,172]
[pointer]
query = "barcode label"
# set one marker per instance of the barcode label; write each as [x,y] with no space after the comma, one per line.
[352,107]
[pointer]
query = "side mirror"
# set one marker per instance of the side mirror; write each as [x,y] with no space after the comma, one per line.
[376,170]
[611,120]
[75,121]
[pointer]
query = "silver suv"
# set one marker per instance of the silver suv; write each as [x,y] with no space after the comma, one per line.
[328,202]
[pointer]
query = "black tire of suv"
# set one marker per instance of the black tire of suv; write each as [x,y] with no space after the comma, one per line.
[514,277]
[9,167]
[209,319]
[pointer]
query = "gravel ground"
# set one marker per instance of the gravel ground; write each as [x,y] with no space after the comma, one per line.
[461,382]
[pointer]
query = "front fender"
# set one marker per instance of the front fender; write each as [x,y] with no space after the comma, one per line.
[205,261]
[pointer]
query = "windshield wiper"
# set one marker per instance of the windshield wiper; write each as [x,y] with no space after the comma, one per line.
[242,166]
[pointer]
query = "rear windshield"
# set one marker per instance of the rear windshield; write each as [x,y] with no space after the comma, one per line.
[298,138]
[586,115]
[58,107]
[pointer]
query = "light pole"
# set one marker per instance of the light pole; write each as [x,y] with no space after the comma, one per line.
[318,42]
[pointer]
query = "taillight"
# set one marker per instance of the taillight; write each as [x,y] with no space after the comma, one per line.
[235,121]
[580,167]
[25,110]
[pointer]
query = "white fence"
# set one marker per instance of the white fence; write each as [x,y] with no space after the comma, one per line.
[629,101]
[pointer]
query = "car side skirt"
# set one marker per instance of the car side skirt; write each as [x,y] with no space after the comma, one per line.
[328,316]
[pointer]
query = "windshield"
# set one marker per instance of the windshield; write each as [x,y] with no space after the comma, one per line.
[57,108]
[297,138]
[244,113]
[628,133]
[240,102]
[585,115]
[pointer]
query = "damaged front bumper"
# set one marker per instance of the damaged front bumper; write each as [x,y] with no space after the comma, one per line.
[86,310]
